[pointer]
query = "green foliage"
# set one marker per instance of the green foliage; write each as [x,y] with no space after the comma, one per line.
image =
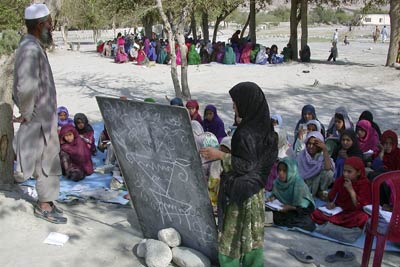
[324,15]
[9,41]
[11,14]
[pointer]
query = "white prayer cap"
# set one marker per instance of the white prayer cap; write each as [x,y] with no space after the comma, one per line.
[36,11]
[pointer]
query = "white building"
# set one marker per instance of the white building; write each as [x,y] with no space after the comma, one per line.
[375,19]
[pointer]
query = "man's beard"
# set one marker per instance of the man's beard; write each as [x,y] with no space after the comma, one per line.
[46,37]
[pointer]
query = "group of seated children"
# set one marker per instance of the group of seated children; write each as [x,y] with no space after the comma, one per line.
[238,50]
[332,167]
[77,145]
[329,164]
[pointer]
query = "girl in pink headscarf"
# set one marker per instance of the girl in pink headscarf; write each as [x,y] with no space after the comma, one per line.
[368,138]
[193,108]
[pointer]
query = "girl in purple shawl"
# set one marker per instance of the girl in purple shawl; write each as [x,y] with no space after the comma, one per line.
[76,161]
[212,123]
[315,165]
[63,117]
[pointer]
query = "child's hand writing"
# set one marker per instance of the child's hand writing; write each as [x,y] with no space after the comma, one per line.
[330,205]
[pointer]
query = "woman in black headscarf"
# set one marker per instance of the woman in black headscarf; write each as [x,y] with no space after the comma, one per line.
[241,195]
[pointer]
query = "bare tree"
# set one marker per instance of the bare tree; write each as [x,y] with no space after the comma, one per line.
[174,26]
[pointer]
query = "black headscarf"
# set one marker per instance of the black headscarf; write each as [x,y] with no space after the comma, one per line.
[82,117]
[254,148]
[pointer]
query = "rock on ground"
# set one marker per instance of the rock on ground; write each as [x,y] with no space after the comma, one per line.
[158,254]
[141,249]
[170,236]
[187,257]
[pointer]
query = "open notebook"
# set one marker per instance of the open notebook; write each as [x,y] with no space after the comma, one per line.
[274,205]
[331,212]
[386,215]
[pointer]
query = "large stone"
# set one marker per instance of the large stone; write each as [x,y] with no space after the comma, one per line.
[141,249]
[158,254]
[169,236]
[187,257]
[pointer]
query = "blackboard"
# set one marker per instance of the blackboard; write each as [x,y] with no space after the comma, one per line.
[155,147]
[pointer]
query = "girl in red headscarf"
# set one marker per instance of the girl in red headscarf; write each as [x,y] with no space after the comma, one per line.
[193,108]
[75,156]
[351,192]
[388,159]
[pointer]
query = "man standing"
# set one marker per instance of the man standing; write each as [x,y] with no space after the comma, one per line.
[36,143]
[384,34]
[335,36]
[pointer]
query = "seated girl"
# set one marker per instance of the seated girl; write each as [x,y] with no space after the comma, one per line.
[367,115]
[142,57]
[388,159]
[367,136]
[339,122]
[213,123]
[121,56]
[294,194]
[245,55]
[351,192]
[310,126]
[193,56]
[315,165]
[193,108]
[307,114]
[284,150]
[348,147]
[86,131]
[63,117]
[76,161]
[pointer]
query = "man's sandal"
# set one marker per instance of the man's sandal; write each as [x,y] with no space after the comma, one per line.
[56,209]
[50,216]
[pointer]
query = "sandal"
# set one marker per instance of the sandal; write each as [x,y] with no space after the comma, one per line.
[300,256]
[50,216]
[56,209]
[340,255]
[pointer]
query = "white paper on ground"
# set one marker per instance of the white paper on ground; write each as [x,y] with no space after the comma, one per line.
[57,239]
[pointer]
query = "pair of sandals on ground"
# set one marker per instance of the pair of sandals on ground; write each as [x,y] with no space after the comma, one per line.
[339,256]
[53,216]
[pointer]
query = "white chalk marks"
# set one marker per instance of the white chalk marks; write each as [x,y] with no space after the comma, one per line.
[156,151]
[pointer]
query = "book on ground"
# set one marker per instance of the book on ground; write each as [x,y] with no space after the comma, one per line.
[331,212]
[386,215]
[274,205]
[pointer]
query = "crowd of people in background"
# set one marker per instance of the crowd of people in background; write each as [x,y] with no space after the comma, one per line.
[131,48]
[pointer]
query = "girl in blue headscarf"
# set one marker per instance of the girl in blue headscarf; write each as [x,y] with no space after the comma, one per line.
[307,113]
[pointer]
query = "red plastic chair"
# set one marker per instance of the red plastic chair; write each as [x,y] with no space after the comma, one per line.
[391,231]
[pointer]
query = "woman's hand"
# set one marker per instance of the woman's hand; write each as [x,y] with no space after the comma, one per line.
[210,153]
[270,199]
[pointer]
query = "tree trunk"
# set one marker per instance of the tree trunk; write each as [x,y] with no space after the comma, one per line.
[217,22]
[245,27]
[394,32]
[171,41]
[147,21]
[184,64]
[6,126]
[114,27]
[293,29]
[304,23]
[95,35]
[204,25]
[252,24]
[193,26]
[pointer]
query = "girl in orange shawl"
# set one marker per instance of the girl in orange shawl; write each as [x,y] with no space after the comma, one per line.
[351,192]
